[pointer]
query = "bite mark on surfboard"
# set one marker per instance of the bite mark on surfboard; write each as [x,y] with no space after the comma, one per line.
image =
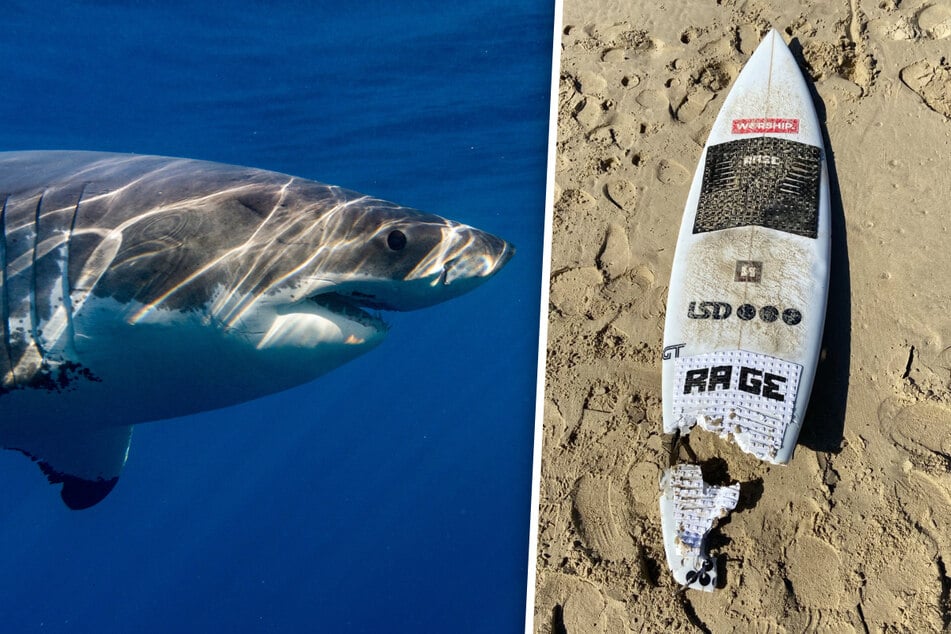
[739,395]
[689,509]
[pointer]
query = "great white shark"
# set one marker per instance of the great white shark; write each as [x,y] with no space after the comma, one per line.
[138,288]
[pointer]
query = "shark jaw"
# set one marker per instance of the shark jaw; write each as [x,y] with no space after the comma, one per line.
[331,310]
[325,320]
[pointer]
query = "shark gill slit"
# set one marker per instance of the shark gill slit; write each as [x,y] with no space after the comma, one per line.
[8,375]
[66,290]
[34,315]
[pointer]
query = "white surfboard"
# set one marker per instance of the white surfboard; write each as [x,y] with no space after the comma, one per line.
[747,298]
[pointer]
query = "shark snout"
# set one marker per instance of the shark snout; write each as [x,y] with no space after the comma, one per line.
[480,255]
[462,259]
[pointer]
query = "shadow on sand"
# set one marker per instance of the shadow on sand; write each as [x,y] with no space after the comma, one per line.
[823,427]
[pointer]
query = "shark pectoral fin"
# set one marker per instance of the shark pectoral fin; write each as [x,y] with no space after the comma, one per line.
[87,464]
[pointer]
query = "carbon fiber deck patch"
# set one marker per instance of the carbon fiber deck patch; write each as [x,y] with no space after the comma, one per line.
[761,181]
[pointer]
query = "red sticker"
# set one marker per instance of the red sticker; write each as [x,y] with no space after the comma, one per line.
[761,126]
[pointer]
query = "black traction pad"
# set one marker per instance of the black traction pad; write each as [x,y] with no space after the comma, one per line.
[762,181]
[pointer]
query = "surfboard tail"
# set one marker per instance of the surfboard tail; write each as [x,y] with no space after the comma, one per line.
[689,510]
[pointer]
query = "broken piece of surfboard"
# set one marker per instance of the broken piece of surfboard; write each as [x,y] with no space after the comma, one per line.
[689,508]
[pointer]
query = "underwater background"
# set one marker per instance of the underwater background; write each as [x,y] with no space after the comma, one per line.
[393,494]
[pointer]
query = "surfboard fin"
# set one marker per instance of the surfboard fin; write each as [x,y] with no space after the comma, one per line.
[689,508]
[87,464]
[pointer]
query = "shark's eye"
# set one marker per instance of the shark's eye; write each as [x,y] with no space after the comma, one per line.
[396,240]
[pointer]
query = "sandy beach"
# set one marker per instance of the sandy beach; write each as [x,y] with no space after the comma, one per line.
[854,534]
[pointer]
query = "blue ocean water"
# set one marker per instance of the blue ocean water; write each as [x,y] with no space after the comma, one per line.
[393,494]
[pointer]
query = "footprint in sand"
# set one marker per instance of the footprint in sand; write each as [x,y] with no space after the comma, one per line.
[623,193]
[630,81]
[573,291]
[588,610]
[601,515]
[887,603]
[693,94]
[934,21]
[672,173]
[590,83]
[750,35]
[931,82]
[926,500]
[623,43]
[615,257]
[693,104]
[923,429]
[654,101]
[812,567]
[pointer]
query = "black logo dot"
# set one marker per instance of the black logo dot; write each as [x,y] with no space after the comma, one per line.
[768,313]
[746,312]
[792,316]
